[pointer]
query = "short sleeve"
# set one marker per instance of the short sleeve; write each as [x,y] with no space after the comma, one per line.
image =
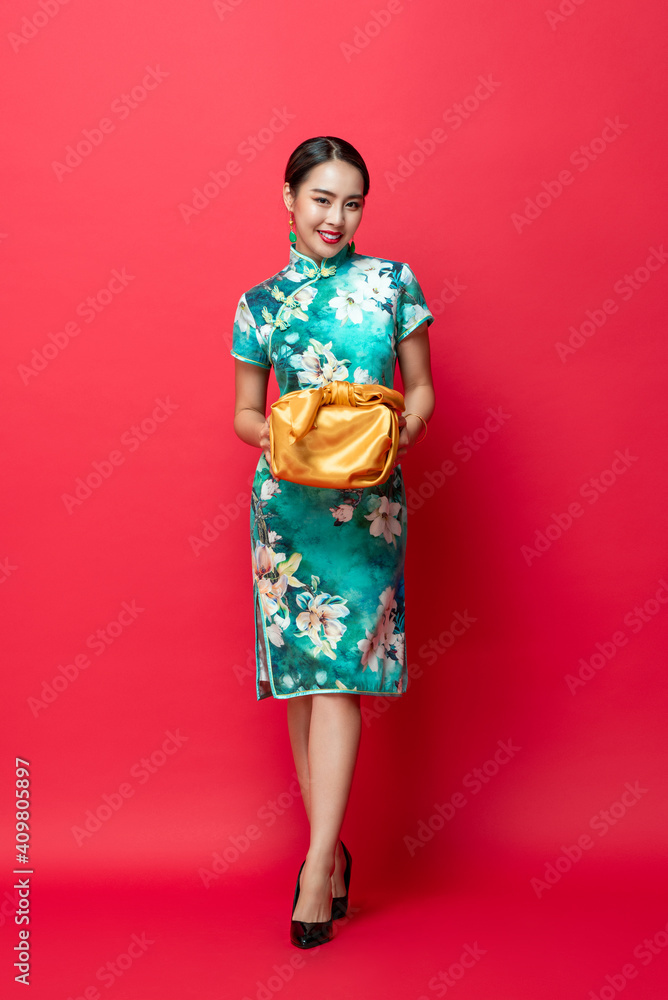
[249,341]
[412,308]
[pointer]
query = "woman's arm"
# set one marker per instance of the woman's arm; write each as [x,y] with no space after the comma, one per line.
[415,366]
[250,421]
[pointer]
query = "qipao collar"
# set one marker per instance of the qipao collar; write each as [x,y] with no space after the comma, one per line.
[307,266]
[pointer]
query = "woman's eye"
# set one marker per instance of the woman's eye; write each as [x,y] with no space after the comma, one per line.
[354,204]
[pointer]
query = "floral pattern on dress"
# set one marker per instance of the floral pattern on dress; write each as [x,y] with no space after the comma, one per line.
[328,565]
[385,643]
[317,365]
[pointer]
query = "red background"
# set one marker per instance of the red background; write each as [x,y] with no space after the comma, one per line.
[384,78]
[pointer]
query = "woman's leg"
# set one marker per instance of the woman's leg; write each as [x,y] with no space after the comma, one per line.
[299,722]
[325,764]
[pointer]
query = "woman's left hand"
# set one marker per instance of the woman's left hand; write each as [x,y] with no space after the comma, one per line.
[405,441]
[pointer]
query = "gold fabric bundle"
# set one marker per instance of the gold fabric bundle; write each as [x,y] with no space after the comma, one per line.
[341,435]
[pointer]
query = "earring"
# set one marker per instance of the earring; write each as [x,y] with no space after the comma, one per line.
[293,235]
[352,246]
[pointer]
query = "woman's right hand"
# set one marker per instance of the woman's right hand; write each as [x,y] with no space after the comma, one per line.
[264,440]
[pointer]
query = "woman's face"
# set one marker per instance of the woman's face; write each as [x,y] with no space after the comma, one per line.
[329,201]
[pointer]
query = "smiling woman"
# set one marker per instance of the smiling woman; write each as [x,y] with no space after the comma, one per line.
[321,215]
[328,564]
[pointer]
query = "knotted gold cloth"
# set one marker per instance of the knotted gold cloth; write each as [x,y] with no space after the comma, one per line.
[341,435]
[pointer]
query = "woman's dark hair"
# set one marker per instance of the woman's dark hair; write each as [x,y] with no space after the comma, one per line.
[321,149]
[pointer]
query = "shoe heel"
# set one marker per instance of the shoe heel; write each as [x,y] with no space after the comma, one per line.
[340,903]
[306,934]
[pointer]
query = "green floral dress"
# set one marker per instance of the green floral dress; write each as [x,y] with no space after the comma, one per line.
[328,565]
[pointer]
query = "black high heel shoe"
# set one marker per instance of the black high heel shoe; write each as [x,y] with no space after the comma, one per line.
[306,934]
[340,903]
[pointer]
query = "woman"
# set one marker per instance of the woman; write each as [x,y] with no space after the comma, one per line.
[328,564]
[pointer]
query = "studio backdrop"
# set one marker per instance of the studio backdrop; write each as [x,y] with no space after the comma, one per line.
[517,162]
